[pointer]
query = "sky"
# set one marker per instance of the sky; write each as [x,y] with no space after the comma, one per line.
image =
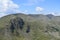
[29,7]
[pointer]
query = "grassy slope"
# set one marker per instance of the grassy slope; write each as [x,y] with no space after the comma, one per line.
[36,29]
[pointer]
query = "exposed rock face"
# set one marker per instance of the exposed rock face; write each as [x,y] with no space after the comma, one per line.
[15,29]
[16,23]
[28,29]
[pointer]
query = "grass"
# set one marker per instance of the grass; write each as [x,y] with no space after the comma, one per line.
[37,29]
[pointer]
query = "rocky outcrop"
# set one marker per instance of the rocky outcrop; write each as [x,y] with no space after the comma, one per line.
[16,23]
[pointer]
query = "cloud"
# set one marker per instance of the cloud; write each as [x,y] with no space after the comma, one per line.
[54,13]
[35,1]
[24,12]
[7,6]
[2,14]
[32,2]
[39,9]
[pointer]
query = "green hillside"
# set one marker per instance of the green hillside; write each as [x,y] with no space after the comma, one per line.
[29,27]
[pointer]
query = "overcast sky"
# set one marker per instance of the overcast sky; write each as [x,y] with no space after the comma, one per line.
[29,7]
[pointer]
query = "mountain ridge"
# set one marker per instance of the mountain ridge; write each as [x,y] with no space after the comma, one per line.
[34,27]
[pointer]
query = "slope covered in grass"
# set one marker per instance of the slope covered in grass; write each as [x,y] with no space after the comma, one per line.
[29,27]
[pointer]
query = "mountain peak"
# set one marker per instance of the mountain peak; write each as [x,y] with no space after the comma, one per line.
[49,16]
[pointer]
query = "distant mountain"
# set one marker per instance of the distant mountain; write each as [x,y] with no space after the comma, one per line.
[30,27]
[50,16]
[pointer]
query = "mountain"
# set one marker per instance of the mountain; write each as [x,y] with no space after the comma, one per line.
[30,27]
[50,16]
